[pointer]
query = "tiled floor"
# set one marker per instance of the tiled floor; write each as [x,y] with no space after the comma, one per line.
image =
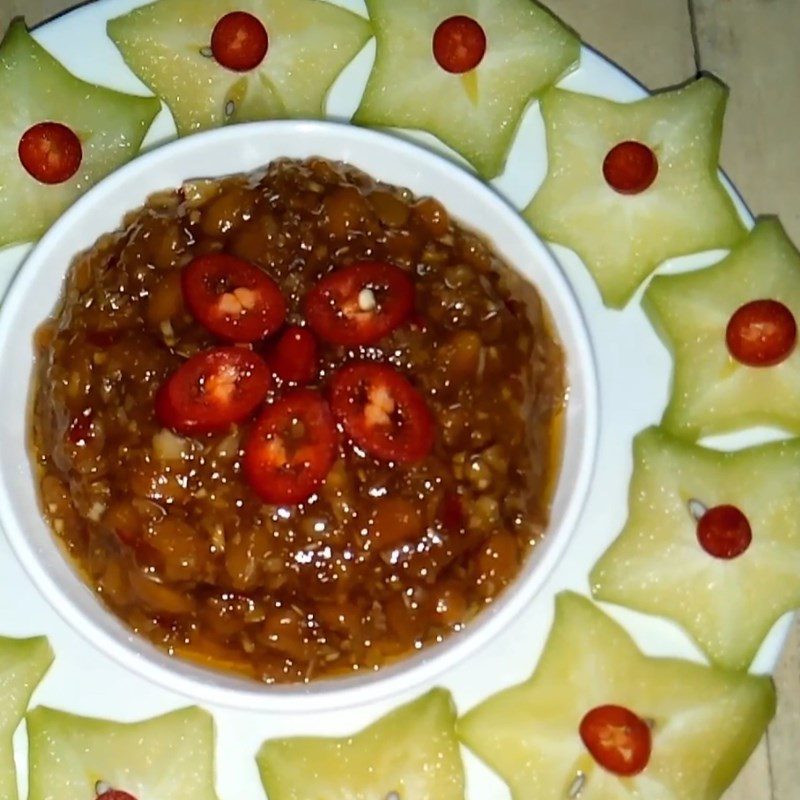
[751,45]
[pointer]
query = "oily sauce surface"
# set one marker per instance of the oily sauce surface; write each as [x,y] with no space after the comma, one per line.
[385,558]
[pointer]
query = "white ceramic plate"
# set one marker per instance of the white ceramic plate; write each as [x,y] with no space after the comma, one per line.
[634,374]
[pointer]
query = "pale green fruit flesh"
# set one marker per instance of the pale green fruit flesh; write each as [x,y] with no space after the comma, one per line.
[623,238]
[23,663]
[706,721]
[658,566]
[712,392]
[412,751]
[476,113]
[167,44]
[165,758]
[35,88]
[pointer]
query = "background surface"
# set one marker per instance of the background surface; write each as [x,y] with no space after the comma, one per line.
[751,46]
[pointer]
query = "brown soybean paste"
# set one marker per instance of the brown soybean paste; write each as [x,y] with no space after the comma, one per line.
[384,558]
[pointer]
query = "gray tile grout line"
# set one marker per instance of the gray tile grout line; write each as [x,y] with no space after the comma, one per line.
[768,737]
[698,64]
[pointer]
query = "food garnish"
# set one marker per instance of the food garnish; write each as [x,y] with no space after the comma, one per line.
[599,720]
[712,541]
[63,136]
[464,72]
[276,60]
[732,332]
[630,185]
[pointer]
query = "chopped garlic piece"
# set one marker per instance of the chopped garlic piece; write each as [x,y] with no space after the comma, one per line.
[167,446]
[229,446]
[167,331]
[96,511]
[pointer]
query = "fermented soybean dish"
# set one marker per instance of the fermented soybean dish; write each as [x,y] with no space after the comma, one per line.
[296,423]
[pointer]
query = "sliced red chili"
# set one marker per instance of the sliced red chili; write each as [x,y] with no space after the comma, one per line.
[291,448]
[50,152]
[459,44]
[239,41]
[761,333]
[724,532]
[360,304]
[619,740]
[212,390]
[630,167]
[382,412]
[294,357]
[115,794]
[233,298]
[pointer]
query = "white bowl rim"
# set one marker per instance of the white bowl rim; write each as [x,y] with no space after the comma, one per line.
[198,683]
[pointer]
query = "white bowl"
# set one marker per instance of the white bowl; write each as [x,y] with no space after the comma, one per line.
[33,297]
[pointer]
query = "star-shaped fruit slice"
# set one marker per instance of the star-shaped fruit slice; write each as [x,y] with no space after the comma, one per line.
[225,61]
[78,758]
[630,185]
[599,720]
[463,70]
[712,541]
[732,330]
[412,752]
[23,663]
[58,135]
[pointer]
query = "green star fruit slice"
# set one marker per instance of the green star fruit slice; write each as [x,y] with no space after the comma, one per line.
[657,565]
[411,753]
[476,113]
[170,757]
[712,392]
[167,45]
[622,238]
[23,663]
[34,88]
[705,722]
